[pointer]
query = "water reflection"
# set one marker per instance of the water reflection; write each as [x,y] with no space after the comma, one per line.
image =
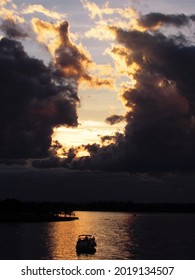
[110,229]
[23,241]
[62,240]
[164,236]
[118,235]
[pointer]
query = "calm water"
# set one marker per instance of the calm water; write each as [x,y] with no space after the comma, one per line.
[118,235]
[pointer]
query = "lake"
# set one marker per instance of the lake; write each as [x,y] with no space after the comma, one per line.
[119,236]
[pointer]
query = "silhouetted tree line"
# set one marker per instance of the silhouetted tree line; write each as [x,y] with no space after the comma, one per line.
[13,206]
[134,207]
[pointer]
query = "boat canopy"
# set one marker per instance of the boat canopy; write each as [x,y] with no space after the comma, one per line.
[85,235]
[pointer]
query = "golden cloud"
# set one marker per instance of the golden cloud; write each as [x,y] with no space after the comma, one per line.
[74,60]
[47,34]
[101,32]
[40,9]
[10,13]
[94,10]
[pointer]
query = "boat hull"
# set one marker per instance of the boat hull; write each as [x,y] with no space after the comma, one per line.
[86,244]
[86,251]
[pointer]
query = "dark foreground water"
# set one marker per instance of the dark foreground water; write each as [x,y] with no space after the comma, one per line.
[119,236]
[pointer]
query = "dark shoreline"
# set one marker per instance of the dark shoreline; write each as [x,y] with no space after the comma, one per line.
[12,210]
[136,207]
[58,211]
[34,218]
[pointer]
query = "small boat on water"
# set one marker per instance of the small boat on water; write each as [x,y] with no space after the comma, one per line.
[86,244]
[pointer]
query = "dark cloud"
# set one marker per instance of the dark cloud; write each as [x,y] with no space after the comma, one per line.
[114,119]
[192,17]
[10,162]
[107,138]
[33,184]
[12,30]
[68,57]
[152,20]
[160,130]
[34,99]
[51,162]
[74,62]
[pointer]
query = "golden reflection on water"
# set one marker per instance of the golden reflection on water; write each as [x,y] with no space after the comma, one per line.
[62,240]
[112,232]
[118,235]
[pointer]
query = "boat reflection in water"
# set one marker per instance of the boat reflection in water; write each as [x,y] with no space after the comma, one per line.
[86,244]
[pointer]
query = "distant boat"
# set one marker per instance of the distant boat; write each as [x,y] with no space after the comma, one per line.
[86,244]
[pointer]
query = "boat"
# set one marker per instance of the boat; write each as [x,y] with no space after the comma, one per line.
[86,244]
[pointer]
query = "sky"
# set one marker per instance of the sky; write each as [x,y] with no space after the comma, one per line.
[35,184]
[98,85]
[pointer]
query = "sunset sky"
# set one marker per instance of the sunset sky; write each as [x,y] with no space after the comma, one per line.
[110,80]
